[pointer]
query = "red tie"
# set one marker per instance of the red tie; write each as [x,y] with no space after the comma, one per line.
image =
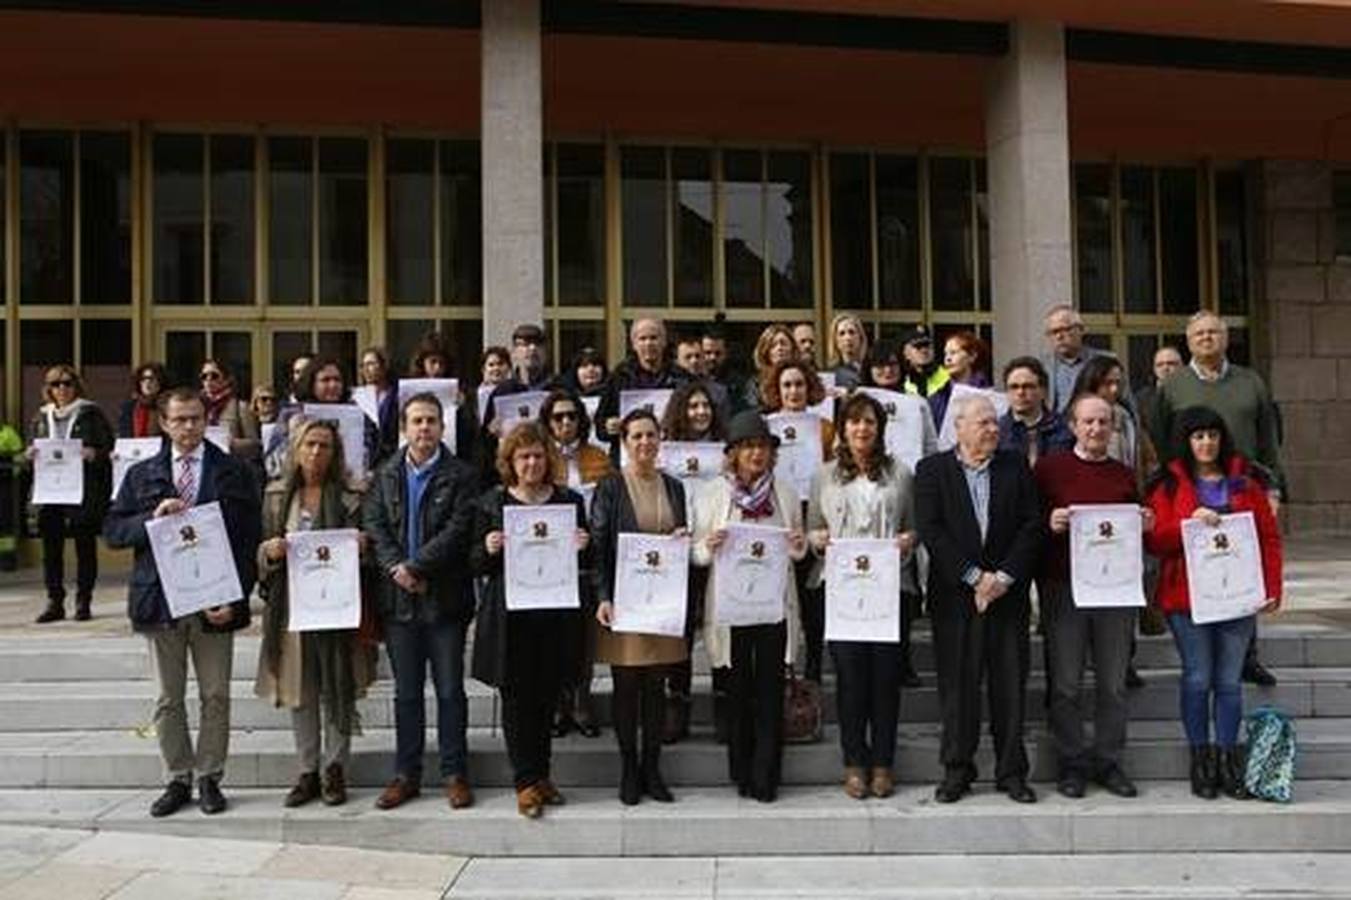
[187,481]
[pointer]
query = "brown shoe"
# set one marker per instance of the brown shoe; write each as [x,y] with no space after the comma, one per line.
[552,795]
[397,792]
[335,786]
[530,801]
[458,792]
[306,789]
[854,785]
[883,782]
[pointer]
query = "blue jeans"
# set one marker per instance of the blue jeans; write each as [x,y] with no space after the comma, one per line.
[412,647]
[1212,661]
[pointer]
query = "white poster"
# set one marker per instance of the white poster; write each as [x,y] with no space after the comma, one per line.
[751,572]
[541,557]
[266,432]
[905,423]
[947,432]
[323,580]
[194,560]
[513,409]
[597,438]
[58,472]
[863,590]
[484,394]
[219,435]
[367,399]
[826,408]
[800,451]
[351,423]
[691,460]
[1107,562]
[651,584]
[654,399]
[447,390]
[127,452]
[1224,568]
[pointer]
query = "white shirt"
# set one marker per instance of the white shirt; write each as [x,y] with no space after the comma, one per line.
[198,455]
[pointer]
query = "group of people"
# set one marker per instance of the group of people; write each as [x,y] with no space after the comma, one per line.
[979,526]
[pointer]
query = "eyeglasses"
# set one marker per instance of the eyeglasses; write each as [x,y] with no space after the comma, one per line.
[210,376]
[565,415]
[64,382]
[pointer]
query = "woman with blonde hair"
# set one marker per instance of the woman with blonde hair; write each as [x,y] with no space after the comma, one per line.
[848,349]
[774,346]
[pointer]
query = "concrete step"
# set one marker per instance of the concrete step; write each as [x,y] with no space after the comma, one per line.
[129,704]
[110,759]
[714,822]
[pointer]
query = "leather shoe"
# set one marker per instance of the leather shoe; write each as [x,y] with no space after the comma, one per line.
[177,794]
[305,789]
[952,790]
[209,798]
[552,795]
[1019,791]
[397,792]
[563,725]
[1133,680]
[883,782]
[458,792]
[1072,784]
[530,801]
[334,792]
[910,678]
[854,785]
[1258,674]
[55,612]
[1116,782]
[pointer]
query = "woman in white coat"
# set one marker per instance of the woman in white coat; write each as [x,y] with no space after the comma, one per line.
[749,494]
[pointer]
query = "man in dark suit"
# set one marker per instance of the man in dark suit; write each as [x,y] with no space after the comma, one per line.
[418,515]
[979,516]
[188,471]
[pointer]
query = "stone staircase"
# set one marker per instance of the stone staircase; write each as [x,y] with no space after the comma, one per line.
[76,748]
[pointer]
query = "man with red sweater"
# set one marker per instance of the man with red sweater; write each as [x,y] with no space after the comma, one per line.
[1082,476]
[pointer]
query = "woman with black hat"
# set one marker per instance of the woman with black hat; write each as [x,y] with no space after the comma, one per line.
[748,493]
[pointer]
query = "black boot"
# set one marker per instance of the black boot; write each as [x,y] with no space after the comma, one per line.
[82,611]
[1232,769]
[55,612]
[722,731]
[1203,772]
[630,779]
[653,785]
[676,726]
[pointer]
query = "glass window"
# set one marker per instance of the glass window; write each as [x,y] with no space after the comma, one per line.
[950,227]
[462,223]
[982,204]
[46,217]
[343,208]
[464,338]
[1137,239]
[409,221]
[1140,360]
[286,346]
[581,224]
[1093,245]
[178,200]
[105,217]
[342,346]
[575,334]
[235,350]
[1178,240]
[1341,201]
[42,344]
[232,215]
[643,191]
[401,339]
[183,355]
[851,277]
[290,220]
[788,228]
[105,360]
[692,172]
[1231,242]
[743,235]
[898,232]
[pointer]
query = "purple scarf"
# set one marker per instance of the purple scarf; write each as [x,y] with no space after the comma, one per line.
[757,501]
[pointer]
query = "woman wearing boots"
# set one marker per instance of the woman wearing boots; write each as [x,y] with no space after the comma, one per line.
[318,671]
[640,499]
[582,467]
[68,415]
[1205,480]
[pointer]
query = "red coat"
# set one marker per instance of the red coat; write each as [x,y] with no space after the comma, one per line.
[1165,540]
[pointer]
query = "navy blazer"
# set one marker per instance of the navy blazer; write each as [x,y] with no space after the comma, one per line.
[224,478]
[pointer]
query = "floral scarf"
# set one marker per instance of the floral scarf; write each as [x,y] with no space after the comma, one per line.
[755,501]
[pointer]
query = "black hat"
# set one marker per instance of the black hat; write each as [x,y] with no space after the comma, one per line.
[917,335]
[532,334]
[748,426]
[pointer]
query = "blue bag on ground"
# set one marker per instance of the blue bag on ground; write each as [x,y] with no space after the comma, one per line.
[1270,773]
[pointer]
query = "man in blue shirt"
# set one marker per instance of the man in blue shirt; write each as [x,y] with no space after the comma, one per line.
[1030,427]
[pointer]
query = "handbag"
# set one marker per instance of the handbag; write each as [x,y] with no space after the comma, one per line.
[1270,770]
[801,710]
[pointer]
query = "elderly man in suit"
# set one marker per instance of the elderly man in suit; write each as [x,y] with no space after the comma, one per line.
[979,516]
[188,471]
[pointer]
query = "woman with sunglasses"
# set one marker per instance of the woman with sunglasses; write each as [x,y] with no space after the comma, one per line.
[68,415]
[138,416]
[224,408]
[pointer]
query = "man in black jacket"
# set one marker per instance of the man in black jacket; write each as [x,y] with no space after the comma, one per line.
[979,515]
[647,368]
[418,515]
[188,471]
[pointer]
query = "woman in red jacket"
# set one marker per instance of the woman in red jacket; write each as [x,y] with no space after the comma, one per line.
[1205,480]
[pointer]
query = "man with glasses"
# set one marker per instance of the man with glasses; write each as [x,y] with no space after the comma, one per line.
[188,471]
[1029,427]
[924,375]
[1068,353]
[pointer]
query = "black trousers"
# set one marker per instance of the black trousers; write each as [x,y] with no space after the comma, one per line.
[812,607]
[680,676]
[868,688]
[755,705]
[530,692]
[972,649]
[639,700]
[55,527]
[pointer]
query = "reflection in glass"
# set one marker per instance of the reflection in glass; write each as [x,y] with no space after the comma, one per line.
[581,224]
[232,203]
[1137,239]
[342,221]
[851,281]
[1231,242]
[46,217]
[898,232]
[105,217]
[291,219]
[788,228]
[743,227]
[462,223]
[692,171]
[1093,246]
[178,202]
[409,222]
[643,191]
[1178,240]
[950,224]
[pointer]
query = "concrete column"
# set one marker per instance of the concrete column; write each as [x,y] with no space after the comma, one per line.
[513,185]
[1027,144]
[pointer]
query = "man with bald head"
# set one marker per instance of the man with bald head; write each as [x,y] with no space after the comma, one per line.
[647,367]
[980,518]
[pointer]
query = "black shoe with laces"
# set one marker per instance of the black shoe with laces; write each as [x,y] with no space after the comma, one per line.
[1114,781]
[177,794]
[209,798]
[1071,784]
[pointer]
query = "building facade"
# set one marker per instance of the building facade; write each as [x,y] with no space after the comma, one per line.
[278,177]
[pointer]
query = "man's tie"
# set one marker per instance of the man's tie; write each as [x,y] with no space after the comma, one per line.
[187,480]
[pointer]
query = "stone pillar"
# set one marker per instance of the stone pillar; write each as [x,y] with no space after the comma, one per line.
[1307,303]
[1027,144]
[513,183]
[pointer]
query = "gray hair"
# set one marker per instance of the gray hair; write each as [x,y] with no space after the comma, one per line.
[1202,314]
[963,405]
[661,326]
[1075,318]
